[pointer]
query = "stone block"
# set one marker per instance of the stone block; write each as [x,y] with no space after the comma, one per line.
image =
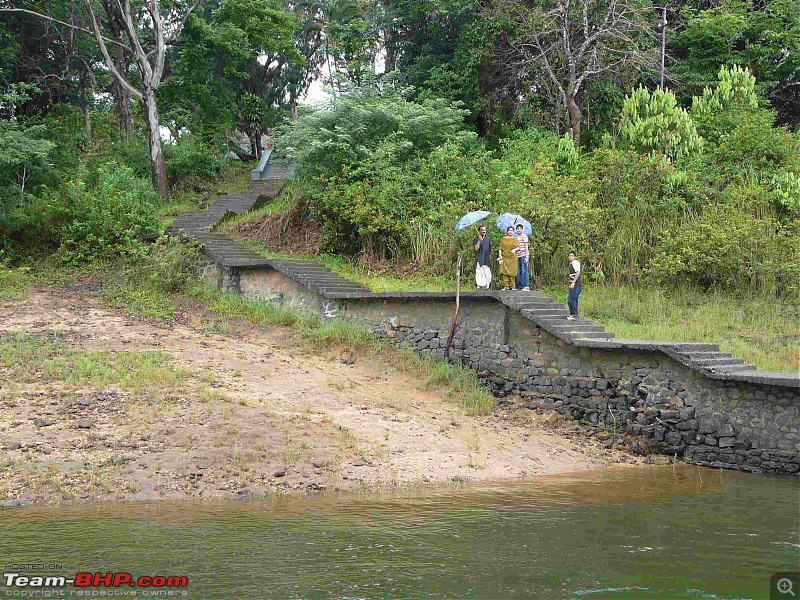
[725,430]
[726,442]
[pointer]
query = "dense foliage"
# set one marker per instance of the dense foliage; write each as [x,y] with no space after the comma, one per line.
[559,110]
[706,196]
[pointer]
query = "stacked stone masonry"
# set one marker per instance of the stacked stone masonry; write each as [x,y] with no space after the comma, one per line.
[687,400]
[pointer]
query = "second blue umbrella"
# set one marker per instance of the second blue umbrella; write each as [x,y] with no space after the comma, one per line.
[507,220]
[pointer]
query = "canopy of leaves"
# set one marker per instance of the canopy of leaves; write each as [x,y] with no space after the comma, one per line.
[655,122]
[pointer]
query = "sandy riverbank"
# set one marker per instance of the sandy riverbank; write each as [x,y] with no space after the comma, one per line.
[130,408]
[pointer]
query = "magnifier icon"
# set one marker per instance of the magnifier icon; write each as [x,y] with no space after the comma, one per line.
[785,586]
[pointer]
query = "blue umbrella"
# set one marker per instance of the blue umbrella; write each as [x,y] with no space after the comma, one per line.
[507,220]
[471,218]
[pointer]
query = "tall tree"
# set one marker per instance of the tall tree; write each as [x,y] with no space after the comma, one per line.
[147,29]
[561,47]
[230,69]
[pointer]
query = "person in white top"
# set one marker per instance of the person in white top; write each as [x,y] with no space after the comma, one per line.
[575,286]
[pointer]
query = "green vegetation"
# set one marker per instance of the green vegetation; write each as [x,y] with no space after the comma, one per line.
[763,332]
[687,189]
[30,358]
[707,197]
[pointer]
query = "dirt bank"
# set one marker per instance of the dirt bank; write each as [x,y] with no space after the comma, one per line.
[108,406]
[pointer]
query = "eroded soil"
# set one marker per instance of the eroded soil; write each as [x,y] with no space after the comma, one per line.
[248,409]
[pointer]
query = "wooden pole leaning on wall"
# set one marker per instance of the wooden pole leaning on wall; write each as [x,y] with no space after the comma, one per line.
[454,322]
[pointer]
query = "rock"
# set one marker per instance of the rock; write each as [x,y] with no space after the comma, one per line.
[673,438]
[359,463]
[12,504]
[84,424]
[84,402]
[245,494]
[726,442]
[725,431]
[15,446]
[637,448]
[279,473]
[318,464]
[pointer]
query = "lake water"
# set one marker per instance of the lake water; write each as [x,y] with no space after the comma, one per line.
[659,532]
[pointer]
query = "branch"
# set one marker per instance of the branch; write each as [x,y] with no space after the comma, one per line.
[158,37]
[75,27]
[109,61]
[173,39]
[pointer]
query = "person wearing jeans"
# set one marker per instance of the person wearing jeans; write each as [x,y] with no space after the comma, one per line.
[575,286]
[523,254]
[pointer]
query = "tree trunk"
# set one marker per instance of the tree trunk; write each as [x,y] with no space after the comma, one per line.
[574,119]
[122,108]
[293,105]
[390,63]
[157,165]
[122,98]
[87,120]
[253,147]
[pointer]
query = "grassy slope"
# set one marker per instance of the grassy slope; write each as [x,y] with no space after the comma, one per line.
[763,331]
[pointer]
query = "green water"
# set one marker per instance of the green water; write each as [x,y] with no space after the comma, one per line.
[649,533]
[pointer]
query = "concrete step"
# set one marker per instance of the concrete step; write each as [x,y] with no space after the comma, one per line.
[697,356]
[712,362]
[689,347]
[544,314]
[571,326]
[729,368]
[587,335]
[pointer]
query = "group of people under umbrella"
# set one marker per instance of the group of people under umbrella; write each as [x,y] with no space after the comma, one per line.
[513,256]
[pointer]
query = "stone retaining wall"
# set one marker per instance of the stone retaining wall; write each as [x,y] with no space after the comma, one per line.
[670,408]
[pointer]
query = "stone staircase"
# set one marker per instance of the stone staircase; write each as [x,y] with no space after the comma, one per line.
[551,316]
[545,312]
[317,277]
[220,248]
[203,221]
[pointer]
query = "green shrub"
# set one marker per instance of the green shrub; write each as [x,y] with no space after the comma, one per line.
[169,265]
[108,219]
[729,249]
[653,121]
[191,160]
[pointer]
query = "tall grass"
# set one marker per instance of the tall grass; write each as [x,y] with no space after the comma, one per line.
[761,330]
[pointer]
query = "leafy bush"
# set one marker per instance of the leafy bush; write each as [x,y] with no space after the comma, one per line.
[653,121]
[192,160]
[169,265]
[368,126]
[108,219]
[727,248]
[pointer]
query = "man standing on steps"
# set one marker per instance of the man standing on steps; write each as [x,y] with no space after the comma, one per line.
[523,277]
[483,257]
[575,286]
